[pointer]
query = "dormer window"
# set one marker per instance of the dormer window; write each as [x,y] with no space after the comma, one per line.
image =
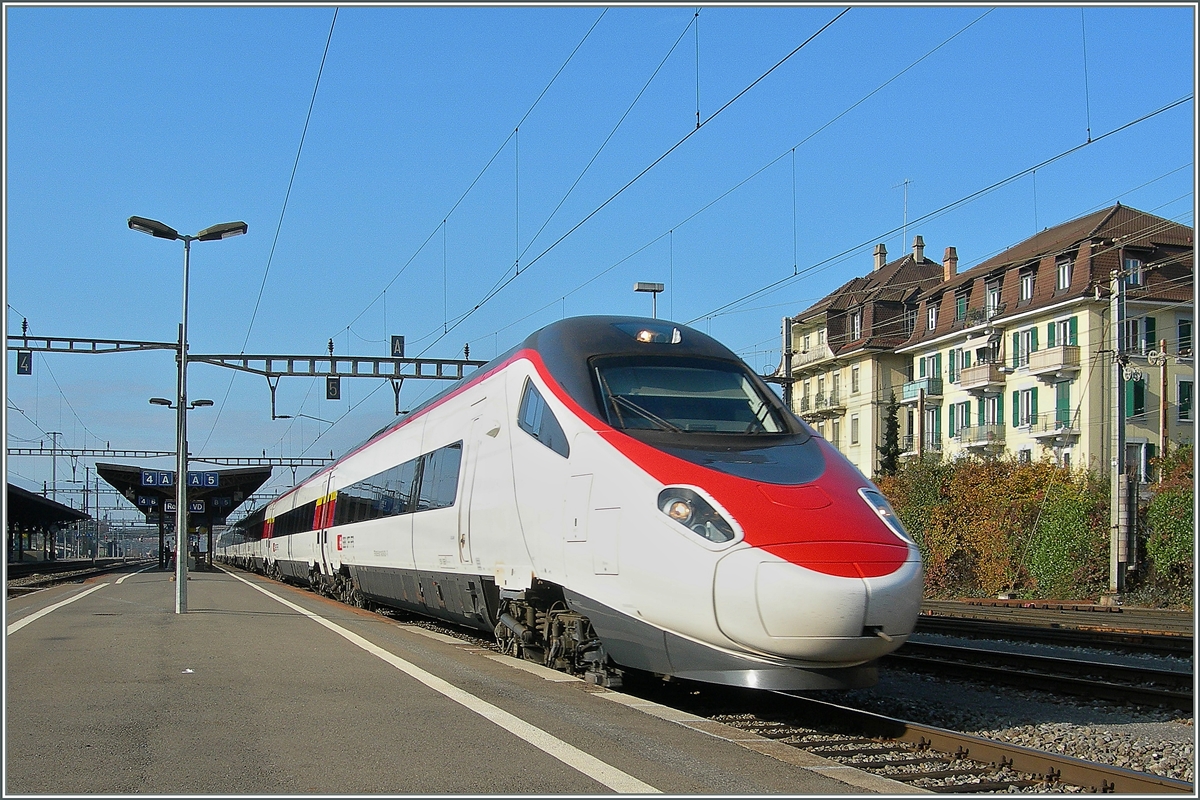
[1062,269]
[1026,286]
[855,325]
[993,298]
[1133,272]
[931,321]
[960,306]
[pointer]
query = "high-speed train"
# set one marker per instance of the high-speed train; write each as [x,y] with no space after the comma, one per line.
[614,493]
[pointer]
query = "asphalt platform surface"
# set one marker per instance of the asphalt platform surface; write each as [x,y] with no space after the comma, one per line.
[261,688]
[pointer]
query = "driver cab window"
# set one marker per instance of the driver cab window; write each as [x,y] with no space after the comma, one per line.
[536,419]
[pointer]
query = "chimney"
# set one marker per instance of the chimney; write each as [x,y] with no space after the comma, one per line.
[880,255]
[950,263]
[918,248]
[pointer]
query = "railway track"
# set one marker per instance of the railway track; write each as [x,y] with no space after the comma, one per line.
[924,756]
[1140,685]
[27,577]
[1177,643]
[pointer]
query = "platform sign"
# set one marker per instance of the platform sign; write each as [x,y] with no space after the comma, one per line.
[397,347]
[153,477]
[222,502]
[333,388]
[194,506]
[24,362]
[203,479]
[147,501]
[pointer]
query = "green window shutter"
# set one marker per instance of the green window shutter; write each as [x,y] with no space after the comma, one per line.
[966,359]
[1016,409]
[1033,339]
[950,426]
[1073,331]
[982,415]
[953,364]
[922,375]
[999,409]
[1016,350]
[1062,402]
[937,366]
[1049,334]
[1129,412]
[1151,341]
[1033,411]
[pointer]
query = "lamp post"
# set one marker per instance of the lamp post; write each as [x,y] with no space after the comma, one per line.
[158,230]
[654,289]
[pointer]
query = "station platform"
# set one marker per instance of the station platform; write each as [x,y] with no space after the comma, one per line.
[263,688]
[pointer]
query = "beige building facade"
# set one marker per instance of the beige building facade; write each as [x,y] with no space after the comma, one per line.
[1014,355]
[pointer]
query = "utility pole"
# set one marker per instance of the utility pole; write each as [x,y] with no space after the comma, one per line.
[788,394]
[1118,490]
[54,463]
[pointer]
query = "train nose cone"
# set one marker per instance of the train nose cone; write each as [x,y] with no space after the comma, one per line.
[769,604]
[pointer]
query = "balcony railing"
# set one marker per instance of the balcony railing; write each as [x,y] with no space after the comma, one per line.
[1054,424]
[1064,358]
[801,359]
[908,443]
[980,435]
[981,377]
[932,387]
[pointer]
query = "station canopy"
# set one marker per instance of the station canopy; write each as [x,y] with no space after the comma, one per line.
[212,494]
[28,511]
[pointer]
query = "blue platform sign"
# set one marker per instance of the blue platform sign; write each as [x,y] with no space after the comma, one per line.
[397,347]
[147,501]
[203,479]
[153,477]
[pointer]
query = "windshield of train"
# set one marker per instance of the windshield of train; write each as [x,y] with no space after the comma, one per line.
[683,395]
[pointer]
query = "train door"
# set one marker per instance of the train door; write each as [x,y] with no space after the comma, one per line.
[324,553]
[466,489]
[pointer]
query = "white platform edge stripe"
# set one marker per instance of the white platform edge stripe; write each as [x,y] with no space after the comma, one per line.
[568,754]
[21,623]
[121,579]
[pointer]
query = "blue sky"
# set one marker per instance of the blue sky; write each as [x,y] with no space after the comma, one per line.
[445,144]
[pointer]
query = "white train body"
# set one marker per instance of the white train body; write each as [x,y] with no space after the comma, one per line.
[544,496]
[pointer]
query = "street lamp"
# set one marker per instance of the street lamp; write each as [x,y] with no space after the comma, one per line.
[654,289]
[158,230]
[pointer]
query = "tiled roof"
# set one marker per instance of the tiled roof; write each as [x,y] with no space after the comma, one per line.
[1094,242]
[892,284]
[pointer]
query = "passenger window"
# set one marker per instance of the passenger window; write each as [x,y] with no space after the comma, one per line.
[536,419]
[439,478]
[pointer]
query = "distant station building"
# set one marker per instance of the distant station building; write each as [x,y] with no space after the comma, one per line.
[33,522]
[212,496]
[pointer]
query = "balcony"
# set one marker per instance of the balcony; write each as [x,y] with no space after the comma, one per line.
[1056,426]
[827,405]
[985,378]
[804,359]
[1054,363]
[908,444]
[981,436]
[932,387]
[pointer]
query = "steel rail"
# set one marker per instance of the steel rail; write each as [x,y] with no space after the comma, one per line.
[1177,644]
[1087,774]
[941,662]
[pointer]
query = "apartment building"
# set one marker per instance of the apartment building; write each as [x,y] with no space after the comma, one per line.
[844,360]
[1015,354]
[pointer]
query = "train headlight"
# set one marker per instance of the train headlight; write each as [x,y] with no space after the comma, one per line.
[695,513]
[884,510]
